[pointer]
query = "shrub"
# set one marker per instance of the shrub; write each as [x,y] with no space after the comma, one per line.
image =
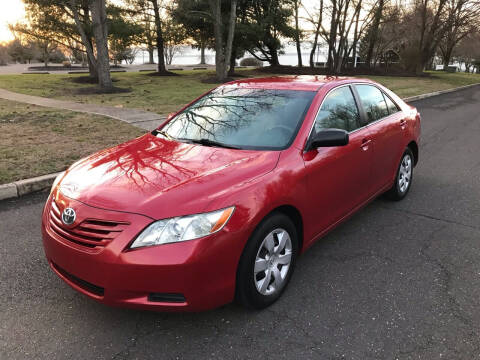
[4,57]
[251,62]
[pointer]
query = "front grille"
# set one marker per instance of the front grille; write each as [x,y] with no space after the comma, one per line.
[85,285]
[90,233]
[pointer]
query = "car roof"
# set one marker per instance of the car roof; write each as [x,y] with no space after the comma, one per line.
[292,82]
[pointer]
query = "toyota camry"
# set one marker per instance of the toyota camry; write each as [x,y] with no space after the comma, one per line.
[219,201]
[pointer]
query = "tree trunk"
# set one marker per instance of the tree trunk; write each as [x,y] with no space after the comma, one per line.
[87,42]
[215,7]
[332,37]
[92,69]
[355,40]
[317,33]
[202,54]
[45,57]
[222,54]
[231,70]
[374,32]
[297,34]
[231,32]
[99,21]
[158,28]
[430,34]
[447,55]
[273,57]
[151,51]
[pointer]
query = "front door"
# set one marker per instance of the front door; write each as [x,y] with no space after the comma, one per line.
[338,178]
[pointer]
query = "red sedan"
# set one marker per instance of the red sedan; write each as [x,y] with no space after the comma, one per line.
[220,200]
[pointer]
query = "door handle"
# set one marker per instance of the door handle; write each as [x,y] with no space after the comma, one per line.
[403,123]
[365,144]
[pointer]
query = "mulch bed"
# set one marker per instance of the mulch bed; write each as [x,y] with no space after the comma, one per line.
[95,90]
[56,68]
[163,73]
[87,80]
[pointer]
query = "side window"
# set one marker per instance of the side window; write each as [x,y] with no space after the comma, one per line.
[338,111]
[392,107]
[373,102]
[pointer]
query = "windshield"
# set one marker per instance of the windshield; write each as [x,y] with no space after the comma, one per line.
[260,119]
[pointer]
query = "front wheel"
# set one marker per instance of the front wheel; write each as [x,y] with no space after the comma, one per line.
[403,180]
[267,262]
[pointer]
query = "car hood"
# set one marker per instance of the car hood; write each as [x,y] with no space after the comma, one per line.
[161,178]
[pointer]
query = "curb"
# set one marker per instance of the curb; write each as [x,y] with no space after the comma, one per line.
[27,186]
[436,93]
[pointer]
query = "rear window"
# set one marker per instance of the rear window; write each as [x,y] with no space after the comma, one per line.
[373,102]
[392,107]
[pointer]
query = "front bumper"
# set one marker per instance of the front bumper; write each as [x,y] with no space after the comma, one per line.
[192,275]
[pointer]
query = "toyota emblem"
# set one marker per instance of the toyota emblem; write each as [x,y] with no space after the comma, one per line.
[68,216]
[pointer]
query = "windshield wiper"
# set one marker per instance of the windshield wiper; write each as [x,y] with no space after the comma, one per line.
[208,142]
[163,133]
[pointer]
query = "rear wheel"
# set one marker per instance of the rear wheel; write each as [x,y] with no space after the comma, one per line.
[403,180]
[267,262]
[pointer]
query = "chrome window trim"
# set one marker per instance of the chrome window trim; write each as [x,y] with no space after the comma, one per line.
[393,101]
[362,127]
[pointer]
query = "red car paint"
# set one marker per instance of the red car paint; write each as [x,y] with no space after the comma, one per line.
[119,191]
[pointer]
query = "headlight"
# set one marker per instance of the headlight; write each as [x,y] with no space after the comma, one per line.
[183,228]
[57,179]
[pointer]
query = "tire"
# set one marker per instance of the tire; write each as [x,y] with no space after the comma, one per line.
[257,262]
[404,177]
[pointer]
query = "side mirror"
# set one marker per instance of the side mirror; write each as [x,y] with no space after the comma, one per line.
[171,115]
[327,138]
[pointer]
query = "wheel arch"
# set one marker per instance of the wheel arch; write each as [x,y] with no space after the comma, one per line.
[413,146]
[294,214]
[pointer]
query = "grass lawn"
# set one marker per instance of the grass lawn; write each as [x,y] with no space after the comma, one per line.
[167,94]
[37,141]
[438,80]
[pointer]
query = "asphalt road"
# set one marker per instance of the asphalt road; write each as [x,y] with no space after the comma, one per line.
[396,281]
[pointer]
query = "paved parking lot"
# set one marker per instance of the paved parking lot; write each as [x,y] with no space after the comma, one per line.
[397,281]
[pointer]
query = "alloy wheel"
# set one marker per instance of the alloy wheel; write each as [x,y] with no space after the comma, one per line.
[405,173]
[272,262]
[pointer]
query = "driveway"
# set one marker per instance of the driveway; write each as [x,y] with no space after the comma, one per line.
[396,281]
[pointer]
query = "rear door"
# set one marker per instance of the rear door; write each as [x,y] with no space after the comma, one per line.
[386,130]
[338,177]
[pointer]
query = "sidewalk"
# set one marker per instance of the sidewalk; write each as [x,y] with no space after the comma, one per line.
[140,118]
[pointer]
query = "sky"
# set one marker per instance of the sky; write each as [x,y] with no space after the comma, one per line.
[9,14]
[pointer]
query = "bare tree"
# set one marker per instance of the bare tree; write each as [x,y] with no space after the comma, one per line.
[317,23]
[298,32]
[174,35]
[433,25]
[464,20]
[374,31]
[343,14]
[468,52]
